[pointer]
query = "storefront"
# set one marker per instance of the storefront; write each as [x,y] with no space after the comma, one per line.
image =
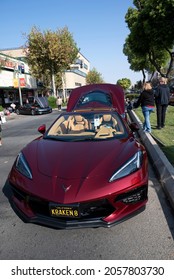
[16,83]
[8,96]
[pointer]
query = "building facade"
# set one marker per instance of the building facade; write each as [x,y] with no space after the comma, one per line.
[16,80]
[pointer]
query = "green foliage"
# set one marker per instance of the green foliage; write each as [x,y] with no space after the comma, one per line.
[52,102]
[138,61]
[132,96]
[150,42]
[124,83]
[1,108]
[94,77]
[50,53]
[138,85]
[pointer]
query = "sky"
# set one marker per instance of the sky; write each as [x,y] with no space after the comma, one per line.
[97,26]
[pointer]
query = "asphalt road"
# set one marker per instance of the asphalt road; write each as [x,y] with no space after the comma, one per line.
[147,236]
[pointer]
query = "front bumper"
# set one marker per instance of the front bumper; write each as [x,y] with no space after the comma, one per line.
[74,224]
[44,111]
[99,213]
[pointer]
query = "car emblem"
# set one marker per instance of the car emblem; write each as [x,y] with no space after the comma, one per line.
[65,188]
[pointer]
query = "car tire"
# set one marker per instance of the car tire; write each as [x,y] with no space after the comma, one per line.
[17,112]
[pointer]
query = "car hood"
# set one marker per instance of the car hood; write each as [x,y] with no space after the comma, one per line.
[42,101]
[68,172]
[73,160]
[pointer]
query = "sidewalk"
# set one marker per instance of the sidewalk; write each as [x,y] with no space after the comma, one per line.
[11,116]
[163,168]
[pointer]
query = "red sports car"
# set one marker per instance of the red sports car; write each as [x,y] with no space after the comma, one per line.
[87,170]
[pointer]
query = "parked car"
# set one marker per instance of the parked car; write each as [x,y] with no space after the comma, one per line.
[38,106]
[87,169]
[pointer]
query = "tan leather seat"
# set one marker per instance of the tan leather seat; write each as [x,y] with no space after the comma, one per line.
[63,127]
[78,123]
[109,120]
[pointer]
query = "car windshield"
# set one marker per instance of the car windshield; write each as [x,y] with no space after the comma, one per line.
[95,96]
[87,126]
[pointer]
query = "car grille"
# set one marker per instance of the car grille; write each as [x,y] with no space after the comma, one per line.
[95,209]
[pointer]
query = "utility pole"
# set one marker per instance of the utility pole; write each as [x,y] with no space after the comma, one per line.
[63,87]
[19,86]
[17,70]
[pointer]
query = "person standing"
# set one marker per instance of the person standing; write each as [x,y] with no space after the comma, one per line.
[162,96]
[59,103]
[146,100]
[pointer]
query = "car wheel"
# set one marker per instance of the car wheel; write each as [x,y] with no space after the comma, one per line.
[32,112]
[17,112]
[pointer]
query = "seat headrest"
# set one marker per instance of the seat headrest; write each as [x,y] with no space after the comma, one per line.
[107,118]
[78,118]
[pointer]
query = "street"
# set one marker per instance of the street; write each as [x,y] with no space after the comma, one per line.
[146,236]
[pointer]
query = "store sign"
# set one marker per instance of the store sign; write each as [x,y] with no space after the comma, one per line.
[6,63]
[16,84]
[22,82]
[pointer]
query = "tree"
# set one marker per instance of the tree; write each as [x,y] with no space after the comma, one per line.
[94,77]
[137,62]
[50,53]
[151,39]
[124,83]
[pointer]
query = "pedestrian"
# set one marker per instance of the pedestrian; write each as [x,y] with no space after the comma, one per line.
[59,103]
[162,97]
[13,106]
[146,100]
[0,131]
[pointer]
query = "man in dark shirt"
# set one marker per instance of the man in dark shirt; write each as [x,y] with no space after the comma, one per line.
[162,96]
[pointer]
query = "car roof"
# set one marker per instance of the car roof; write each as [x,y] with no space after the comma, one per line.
[115,93]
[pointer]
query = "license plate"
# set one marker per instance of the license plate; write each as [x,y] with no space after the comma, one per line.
[68,211]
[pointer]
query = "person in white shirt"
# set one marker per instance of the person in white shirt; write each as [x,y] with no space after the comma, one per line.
[59,103]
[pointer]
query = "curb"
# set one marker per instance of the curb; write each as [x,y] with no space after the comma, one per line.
[163,168]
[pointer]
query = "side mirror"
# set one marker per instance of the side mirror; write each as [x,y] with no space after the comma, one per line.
[42,128]
[134,126]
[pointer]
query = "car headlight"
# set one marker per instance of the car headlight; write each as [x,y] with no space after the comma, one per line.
[22,166]
[129,167]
